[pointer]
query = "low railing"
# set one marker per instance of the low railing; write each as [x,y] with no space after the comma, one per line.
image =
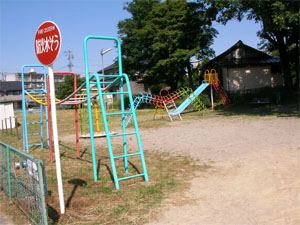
[10,126]
[22,178]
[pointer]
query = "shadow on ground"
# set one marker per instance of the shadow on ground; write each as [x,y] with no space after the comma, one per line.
[259,110]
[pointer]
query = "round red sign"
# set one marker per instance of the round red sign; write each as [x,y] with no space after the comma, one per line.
[47,42]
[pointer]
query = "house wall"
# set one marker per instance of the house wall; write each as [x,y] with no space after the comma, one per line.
[32,80]
[12,77]
[7,116]
[247,78]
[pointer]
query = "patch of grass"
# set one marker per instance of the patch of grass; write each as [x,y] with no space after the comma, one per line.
[90,202]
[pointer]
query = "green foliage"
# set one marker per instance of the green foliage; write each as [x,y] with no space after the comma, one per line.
[155,88]
[161,37]
[280,27]
[66,88]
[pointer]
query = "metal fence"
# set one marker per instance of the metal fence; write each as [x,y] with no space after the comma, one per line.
[10,126]
[22,178]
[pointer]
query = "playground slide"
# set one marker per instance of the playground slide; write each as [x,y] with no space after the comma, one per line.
[189,100]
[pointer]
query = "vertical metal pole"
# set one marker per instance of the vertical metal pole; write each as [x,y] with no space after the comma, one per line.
[76,118]
[46,109]
[49,119]
[212,97]
[138,137]
[43,188]
[10,125]
[2,126]
[123,123]
[8,171]
[24,119]
[102,57]
[112,161]
[41,126]
[55,139]
[16,125]
[6,126]
[87,82]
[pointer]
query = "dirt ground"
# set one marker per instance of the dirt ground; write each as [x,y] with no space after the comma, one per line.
[255,173]
[254,176]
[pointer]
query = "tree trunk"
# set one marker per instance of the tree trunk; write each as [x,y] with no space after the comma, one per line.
[190,75]
[285,63]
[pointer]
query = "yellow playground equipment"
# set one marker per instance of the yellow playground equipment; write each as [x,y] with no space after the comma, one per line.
[98,125]
[212,78]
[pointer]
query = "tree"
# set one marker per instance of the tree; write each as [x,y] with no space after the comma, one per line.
[161,38]
[65,88]
[280,27]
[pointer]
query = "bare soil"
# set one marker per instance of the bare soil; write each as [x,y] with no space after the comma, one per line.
[255,173]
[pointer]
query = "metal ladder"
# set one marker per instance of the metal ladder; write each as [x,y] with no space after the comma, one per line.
[171,106]
[34,131]
[121,80]
[219,89]
[136,102]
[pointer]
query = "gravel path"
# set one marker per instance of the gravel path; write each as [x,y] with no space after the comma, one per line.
[255,170]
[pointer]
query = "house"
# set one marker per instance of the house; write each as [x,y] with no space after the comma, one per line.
[242,68]
[11,87]
[11,92]
[136,87]
[32,79]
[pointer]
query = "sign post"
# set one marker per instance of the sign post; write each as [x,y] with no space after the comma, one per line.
[47,46]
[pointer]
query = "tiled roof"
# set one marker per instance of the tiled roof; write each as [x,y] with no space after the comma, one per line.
[252,57]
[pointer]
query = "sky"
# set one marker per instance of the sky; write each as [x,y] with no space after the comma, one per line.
[76,19]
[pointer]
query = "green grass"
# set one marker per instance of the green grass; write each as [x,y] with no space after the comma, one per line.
[90,202]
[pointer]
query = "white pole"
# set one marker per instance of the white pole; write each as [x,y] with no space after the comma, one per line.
[212,97]
[55,139]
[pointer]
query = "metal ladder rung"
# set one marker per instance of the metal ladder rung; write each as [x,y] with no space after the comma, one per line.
[120,113]
[34,111]
[117,135]
[35,145]
[34,134]
[115,93]
[34,123]
[124,178]
[128,155]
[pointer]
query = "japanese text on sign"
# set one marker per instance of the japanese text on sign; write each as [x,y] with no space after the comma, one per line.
[45,44]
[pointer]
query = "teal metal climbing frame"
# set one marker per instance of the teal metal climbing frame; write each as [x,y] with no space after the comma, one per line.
[119,79]
[36,126]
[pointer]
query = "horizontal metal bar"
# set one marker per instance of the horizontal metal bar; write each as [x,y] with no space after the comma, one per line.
[114,93]
[37,91]
[34,123]
[124,178]
[117,135]
[17,151]
[119,113]
[34,134]
[39,111]
[128,155]
[35,145]
[106,75]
